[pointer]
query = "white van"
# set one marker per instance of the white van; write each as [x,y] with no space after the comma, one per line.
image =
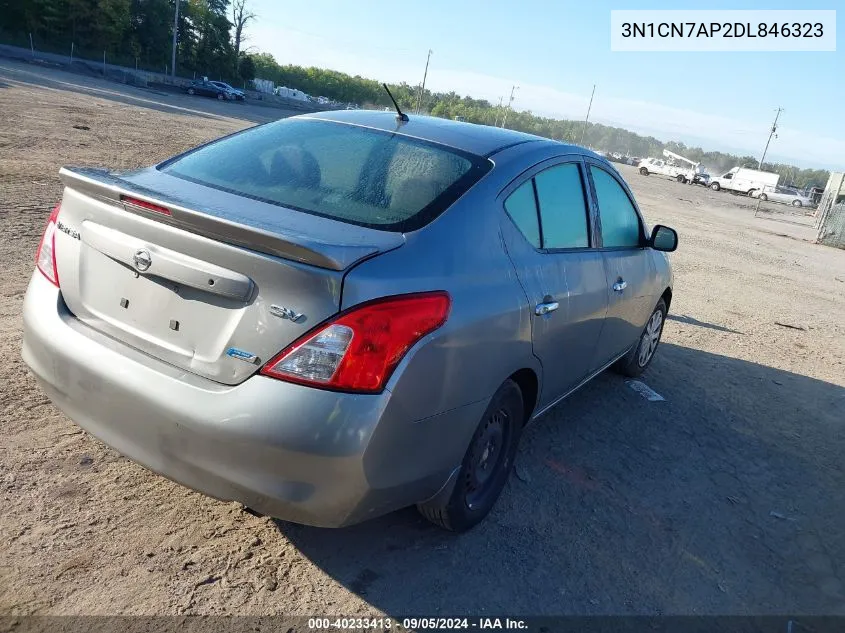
[744,180]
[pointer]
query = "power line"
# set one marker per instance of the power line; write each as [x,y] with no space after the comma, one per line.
[510,101]
[175,31]
[771,134]
[422,87]
[587,118]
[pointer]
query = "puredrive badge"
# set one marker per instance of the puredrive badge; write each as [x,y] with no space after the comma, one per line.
[240,354]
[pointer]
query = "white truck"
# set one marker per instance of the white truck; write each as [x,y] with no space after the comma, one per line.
[744,180]
[676,166]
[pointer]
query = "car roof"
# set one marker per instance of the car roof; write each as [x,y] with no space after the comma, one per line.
[483,140]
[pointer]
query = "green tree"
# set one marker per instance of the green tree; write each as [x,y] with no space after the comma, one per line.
[246,68]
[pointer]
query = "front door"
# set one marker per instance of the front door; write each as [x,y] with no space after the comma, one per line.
[627,264]
[549,241]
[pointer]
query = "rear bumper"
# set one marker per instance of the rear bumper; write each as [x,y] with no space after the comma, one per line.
[289,451]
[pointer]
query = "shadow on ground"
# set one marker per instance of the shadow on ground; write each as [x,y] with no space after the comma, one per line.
[692,321]
[727,498]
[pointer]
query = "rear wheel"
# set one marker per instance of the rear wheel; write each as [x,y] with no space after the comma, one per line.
[220,96]
[681,178]
[635,362]
[486,466]
[190,91]
[796,203]
[644,171]
[764,197]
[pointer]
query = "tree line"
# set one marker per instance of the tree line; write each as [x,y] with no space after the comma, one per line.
[368,92]
[211,34]
[136,32]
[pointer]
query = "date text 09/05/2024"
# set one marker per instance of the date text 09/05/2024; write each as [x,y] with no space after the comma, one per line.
[722,29]
[419,623]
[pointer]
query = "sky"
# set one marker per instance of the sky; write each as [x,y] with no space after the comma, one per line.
[556,50]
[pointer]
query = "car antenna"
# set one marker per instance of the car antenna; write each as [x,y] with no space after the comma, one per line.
[400,116]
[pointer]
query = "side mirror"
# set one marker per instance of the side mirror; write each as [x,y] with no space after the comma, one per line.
[663,239]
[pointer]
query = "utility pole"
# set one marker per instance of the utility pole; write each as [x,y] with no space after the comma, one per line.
[422,87]
[587,118]
[771,134]
[510,101]
[175,32]
[498,109]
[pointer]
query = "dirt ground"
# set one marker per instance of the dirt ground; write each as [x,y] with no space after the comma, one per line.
[726,498]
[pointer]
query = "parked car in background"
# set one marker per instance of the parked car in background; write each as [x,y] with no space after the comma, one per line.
[276,317]
[207,89]
[232,93]
[787,195]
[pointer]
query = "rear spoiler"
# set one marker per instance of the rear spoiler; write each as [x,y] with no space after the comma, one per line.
[292,244]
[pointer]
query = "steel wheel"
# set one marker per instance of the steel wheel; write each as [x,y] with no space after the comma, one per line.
[486,465]
[485,459]
[650,338]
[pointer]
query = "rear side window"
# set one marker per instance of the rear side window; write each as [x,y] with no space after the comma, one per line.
[353,174]
[563,209]
[522,208]
[620,224]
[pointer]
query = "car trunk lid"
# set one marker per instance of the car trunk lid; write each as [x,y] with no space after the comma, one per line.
[209,281]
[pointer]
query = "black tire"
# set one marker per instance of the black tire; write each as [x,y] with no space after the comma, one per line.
[479,484]
[796,203]
[643,171]
[681,179]
[190,91]
[633,364]
[715,186]
[764,197]
[220,96]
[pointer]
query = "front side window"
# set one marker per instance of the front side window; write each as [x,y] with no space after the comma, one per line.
[344,172]
[563,208]
[620,224]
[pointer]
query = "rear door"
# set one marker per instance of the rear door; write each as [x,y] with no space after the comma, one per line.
[548,230]
[628,266]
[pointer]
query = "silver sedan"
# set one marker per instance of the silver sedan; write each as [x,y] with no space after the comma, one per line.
[787,196]
[333,316]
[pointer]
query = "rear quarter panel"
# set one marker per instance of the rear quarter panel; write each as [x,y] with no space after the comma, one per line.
[487,336]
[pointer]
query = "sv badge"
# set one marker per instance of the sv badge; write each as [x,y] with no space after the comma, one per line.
[286,313]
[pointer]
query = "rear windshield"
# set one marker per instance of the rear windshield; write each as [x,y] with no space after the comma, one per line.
[353,174]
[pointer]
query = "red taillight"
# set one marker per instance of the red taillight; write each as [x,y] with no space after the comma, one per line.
[359,349]
[149,206]
[45,256]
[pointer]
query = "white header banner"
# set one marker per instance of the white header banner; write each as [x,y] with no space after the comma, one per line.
[722,30]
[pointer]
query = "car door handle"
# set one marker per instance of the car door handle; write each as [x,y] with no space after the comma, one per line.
[620,285]
[545,308]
